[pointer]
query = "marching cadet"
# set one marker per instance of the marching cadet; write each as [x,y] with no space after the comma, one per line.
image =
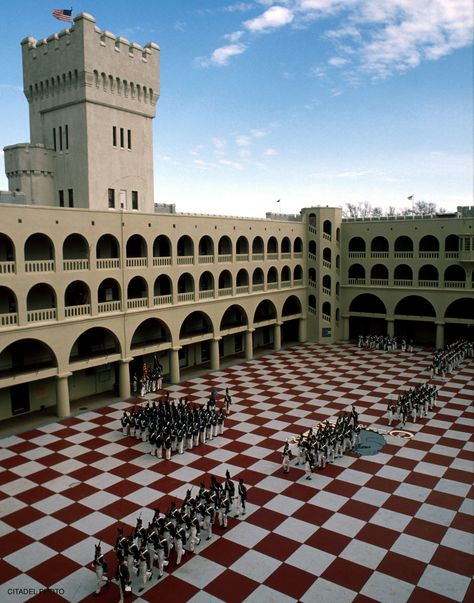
[194,531]
[162,553]
[133,553]
[152,440]
[135,383]
[125,420]
[286,460]
[151,541]
[308,468]
[121,545]
[189,437]
[180,542]
[220,422]
[167,444]
[100,566]
[180,438]
[208,515]
[227,401]
[159,444]
[123,576]
[242,497]
[144,566]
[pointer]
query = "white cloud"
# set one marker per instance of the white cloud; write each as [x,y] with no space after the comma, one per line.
[270,152]
[272,18]
[243,141]
[258,133]
[219,144]
[11,87]
[337,62]
[232,164]
[234,36]
[238,7]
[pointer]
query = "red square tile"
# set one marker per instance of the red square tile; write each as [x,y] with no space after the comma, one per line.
[14,461]
[359,510]
[12,542]
[258,496]
[123,488]
[401,504]
[401,567]
[33,433]
[22,517]
[63,538]
[326,540]
[378,535]
[442,499]
[290,580]
[52,459]
[426,530]
[458,476]
[265,518]
[33,495]
[421,595]
[242,460]
[88,458]
[170,589]
[401,462]
[231,587]
[7,476]
[58,445]
[80,491]
[342,488]
[422,480]
[21,447]
[438,459]
[54,569]
[277,546]
[299,491]
[204,464]
[127,455]
[7,571]
[121,508]
[251,478]
[72,513]
[84,473]
[453,560]
[462,521]
[347,574]
[382,483]
[44,476]
[223,551]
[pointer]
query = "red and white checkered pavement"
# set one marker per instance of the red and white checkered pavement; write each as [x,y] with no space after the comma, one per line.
[393,527]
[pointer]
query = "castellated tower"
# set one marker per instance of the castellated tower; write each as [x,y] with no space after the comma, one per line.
[92,97]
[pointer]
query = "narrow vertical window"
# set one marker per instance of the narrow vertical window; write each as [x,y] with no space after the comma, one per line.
[111,198]
[54,139]
[114,135]
[66,133]
[70,197]
[60,138]
[61,198]
[129,139]
[122,144]
[134,199]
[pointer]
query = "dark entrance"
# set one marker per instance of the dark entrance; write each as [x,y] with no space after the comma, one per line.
[20,398]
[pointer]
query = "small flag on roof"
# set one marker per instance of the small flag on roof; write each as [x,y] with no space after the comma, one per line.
[63,14]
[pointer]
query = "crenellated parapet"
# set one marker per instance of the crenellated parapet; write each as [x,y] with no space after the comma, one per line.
[87,63]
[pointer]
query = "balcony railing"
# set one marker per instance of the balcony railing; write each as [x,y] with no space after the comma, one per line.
[162,261]
[312,229]
[312,256]
[452,255]
[326,317]
[258,257]
[357,281]
[403,282]
[186,297]
[206,294]
[272,256]
[242,257]
[136,262]
[313,283]
[357,254]
[73,311]
[224,292]
[326,264]
[326,290]
[39,266]
[258,287]
[285,284]
[224,257]
[326,236]
[379,254]
[273,285]
[79,264]
[241,289]
[41,315]
[428,254]
[455,284]
[185,260]
[7,267]
[298,282]
[298,255]
[312,310]
[206,259]
[379,282]
[403,254]
[162,300]
[108,263]
[137,302]
[431,284]
[109,306]
[286,255]
[9,320]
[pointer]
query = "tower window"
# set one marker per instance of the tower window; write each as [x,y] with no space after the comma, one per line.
[129,139]
[114,135]
[111,196]
[61,198]
[70,197]
[122,144]
[66,133]
[134,199]
[60,138]
[54,139]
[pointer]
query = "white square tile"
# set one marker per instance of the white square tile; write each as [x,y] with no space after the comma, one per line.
[51,504]
[324,591]
[283,504]
[93,523]
[459,540]
[343,524]
[30,556]
[246,534]
[27,468]
[28,585]
[415,548]
[255,565]
[328,500]
[104,480]
[391,519]
[370,496]
[296,529]
[144,496]
[273,484]
[77,586]
[386,589]
[310,559]
[363,553]
[17,486]
[99,500]
[199,571]
[437,515]
[42,527]
[445,583]
[262,594]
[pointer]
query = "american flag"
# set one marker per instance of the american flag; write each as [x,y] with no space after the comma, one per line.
[63,14]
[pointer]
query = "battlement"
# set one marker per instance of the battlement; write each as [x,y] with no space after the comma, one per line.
[85,56]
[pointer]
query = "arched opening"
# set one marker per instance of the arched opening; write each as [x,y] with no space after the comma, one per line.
[107,248]
[367,316]
[264,334]
[312,277]
[403,275]
[297,275]
[258,248]
[272,248]
[285,278]
[206,246]
[75,252]
[185,248]
[186,287]
[451,244]
[234,320]
[8,307]
[298,245]
[379,275]
[94,343]
[161,251]
[272,278]
[327,257]
[258,279]
[326,311]
[291,306]
[136,247]
[242,248]
[108,295]
[162,289]
[312,220]
[137,292]
[338,235]
[338,261]
[77,299]
[459,317]
[429,244]
[39,248]
[327,284]
[286,246]
[379,245]
[7,252]
[234,316]
[41,303]
[428,276]
[312,302]
[151,332]
[403,247]
[454,276]
[225,248]
[291,316]
[327,228]
[414,320]
[225,283]
[356,274]
[242,281]
[206,285]
[312,249]
[265,311]
[195,324]
[356,245]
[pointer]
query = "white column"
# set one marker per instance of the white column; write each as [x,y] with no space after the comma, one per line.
[277,336]
[174,365]
[390,327]
[214,354]
[63,407]
[439,335]
[249,344]
[302,330]
[124,378]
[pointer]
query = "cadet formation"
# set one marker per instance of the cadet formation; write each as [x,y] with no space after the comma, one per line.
[415,404]
[447,360]
[173,426]
[384,342]
[146,551]
[323,444]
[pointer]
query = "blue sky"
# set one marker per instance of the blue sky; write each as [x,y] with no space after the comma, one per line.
[313,102]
